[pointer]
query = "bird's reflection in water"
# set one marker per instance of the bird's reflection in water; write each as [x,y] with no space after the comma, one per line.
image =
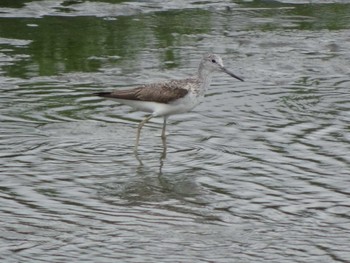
[162,156]
[158,180]
[138,158]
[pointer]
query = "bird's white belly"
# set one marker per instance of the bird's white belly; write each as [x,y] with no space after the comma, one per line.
[179,106]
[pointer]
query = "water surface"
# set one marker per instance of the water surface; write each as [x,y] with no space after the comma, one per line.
[257,173]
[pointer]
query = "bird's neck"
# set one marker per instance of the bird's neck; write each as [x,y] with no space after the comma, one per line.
[204,77]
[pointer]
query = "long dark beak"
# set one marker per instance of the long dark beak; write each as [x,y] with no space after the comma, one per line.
[231,74]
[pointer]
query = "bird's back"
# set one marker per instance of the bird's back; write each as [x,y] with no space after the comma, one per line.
[162,92]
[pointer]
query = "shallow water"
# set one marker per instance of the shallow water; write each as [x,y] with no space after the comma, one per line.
[257,173]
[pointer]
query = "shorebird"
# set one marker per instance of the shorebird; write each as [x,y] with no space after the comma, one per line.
[170,97]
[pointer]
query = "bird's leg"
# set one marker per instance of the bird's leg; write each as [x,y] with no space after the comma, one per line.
[139,131]
[163,130]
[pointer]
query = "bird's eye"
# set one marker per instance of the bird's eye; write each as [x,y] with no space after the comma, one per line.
[213,60]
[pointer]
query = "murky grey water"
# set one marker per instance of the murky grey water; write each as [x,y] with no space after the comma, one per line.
[260,172]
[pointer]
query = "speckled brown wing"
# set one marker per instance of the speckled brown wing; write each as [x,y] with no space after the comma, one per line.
[159,92]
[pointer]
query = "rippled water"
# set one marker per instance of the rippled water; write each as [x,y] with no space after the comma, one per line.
[260,172]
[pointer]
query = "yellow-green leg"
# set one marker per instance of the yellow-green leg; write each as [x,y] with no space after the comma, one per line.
[139,131]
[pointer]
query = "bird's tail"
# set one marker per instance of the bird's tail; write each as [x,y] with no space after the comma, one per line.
[102,94]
